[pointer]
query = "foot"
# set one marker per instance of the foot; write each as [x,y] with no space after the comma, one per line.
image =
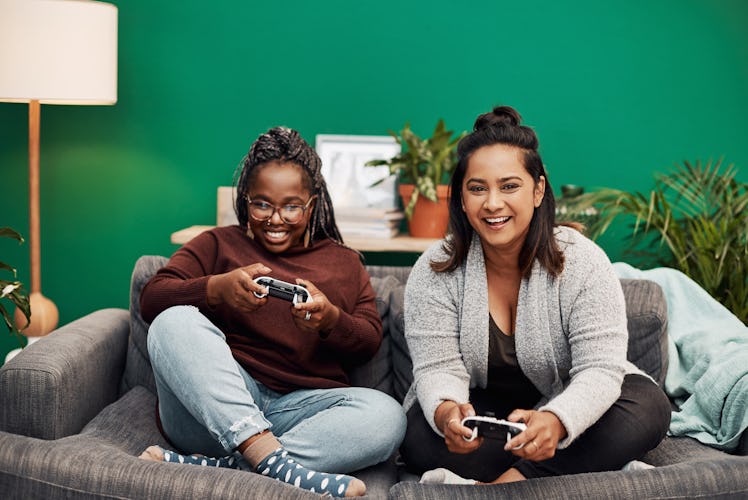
[280,466]
[158,454]
[444,476]
[637,465]
[510,476]
[153,453]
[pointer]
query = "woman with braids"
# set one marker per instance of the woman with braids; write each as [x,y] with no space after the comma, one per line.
[518,316]
[260,381]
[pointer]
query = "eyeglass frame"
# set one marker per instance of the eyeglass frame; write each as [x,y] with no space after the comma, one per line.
[277,209]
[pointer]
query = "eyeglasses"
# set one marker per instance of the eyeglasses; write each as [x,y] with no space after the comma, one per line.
[290,214]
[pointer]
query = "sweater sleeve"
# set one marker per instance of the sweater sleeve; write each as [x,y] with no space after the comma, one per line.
[184,279]
[432,331]
[595,325]
[358,332]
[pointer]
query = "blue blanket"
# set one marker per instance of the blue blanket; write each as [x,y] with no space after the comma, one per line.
[707,375]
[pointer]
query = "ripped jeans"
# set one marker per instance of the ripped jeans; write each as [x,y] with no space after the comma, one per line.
[209,404]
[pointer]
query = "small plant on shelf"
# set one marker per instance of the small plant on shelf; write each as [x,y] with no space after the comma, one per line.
[425,163]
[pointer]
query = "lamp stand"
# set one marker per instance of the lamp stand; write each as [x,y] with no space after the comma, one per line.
[44,314]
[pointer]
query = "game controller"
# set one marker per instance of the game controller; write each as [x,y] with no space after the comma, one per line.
[283,290]
[493,428]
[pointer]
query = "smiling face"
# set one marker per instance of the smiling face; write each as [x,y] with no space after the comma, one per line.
[280,184]
[499,197]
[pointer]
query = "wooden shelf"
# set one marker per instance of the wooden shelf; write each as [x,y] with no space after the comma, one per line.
[400,243]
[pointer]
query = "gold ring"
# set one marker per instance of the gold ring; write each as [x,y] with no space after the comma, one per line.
[308,316]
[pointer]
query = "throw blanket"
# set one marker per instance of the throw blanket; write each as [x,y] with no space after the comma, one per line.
[708,355]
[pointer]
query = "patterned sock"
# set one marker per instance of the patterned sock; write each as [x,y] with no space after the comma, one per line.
[443,476]
[228,462]
[279,466]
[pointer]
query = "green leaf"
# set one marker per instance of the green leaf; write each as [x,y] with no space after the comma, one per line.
[6,267]
[433,158]
[8,320]
[411,204]
[6,232]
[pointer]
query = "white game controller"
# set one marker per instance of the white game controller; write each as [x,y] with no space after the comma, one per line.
[493,428]
[283,290]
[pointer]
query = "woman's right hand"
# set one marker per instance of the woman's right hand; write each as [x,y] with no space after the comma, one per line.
[448,418]
[236,288]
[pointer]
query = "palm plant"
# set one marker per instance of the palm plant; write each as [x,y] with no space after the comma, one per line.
[12,290]
[694,220]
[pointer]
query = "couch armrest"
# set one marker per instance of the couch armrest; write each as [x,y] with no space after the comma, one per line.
[78,467]
[56,385]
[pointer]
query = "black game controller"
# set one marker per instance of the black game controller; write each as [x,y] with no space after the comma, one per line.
[493,428]
[283,290]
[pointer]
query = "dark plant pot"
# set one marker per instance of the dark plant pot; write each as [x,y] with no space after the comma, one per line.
[429,219]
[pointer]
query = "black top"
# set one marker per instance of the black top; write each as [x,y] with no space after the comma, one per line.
[505,378]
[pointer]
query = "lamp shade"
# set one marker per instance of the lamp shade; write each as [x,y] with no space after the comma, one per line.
[58,51]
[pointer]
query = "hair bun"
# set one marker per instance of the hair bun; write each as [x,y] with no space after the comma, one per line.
[500,116]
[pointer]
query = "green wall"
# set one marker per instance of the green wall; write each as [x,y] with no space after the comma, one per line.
[616,90]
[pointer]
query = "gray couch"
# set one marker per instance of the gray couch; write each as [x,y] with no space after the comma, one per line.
[77,407]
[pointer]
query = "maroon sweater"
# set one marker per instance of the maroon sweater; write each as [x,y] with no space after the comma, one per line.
[266,342]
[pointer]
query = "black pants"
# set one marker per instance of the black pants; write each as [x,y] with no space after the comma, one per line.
[635,424]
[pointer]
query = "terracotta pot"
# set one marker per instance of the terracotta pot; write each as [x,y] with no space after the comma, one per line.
[429,219]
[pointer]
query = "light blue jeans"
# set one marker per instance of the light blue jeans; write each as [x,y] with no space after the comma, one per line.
[209,404]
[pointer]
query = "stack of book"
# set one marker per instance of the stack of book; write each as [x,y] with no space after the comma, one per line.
[357,222]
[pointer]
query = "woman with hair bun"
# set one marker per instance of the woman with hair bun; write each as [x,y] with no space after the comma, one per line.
[516,316]
[240,372]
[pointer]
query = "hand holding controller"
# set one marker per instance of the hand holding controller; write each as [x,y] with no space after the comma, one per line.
[494,428]
[283,290]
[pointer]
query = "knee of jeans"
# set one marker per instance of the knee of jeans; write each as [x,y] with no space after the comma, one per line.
[391,421]
[173,324]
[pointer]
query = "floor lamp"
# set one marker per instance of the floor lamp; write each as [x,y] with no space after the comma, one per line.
[53,52]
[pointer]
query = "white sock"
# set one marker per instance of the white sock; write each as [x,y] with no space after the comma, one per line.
[443,476]
[637,465]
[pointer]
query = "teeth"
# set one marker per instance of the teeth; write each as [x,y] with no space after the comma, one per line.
[497,220]
[277,234]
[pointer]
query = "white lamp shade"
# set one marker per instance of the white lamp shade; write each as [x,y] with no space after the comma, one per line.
[58,51]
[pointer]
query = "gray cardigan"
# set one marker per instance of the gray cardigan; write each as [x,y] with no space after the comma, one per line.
[570,333]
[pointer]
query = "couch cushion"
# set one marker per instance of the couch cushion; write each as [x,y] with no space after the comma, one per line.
[402,366]
[390,370]
[137,407]
[646,312]
[138,369]
[102,462]
[722,478]
[375,373]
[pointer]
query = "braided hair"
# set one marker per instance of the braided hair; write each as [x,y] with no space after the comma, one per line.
[282,144]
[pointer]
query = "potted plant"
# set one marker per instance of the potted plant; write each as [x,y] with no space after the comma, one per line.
[694,220]
[12,290]
[423,168]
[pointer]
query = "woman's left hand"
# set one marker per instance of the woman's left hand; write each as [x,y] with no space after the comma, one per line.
[319,315]
[540,439]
